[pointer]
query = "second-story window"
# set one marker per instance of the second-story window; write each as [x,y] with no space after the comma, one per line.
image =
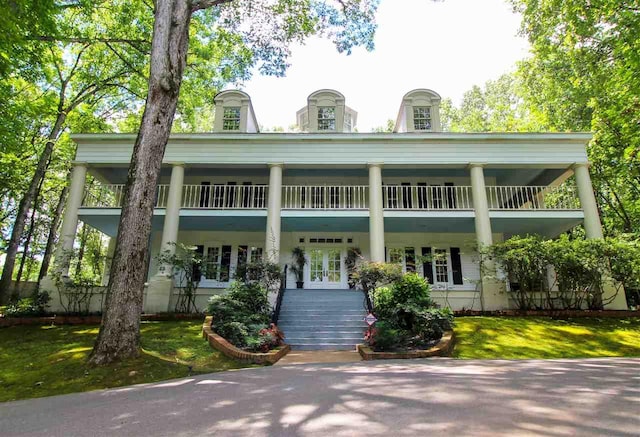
[422,118]
[231,119]
[326,118]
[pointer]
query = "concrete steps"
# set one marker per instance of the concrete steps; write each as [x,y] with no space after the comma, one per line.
[322,319]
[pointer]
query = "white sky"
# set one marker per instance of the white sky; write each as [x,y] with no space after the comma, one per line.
[446,46]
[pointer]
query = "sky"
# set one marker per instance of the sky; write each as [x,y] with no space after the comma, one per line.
[446,46]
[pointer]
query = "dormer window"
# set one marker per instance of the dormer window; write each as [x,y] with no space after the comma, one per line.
[326,118]
[422,118]
[231,118]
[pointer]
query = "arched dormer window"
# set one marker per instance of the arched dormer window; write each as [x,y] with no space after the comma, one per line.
[234,112]
[419,112]
[326,112]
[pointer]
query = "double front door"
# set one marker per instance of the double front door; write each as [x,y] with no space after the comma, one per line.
[325,268]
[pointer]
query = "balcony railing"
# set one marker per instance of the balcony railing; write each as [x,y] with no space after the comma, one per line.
[426,198]
[348,197]
[351,197]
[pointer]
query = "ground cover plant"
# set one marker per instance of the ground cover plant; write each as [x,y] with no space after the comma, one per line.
[543,337]
[50,360]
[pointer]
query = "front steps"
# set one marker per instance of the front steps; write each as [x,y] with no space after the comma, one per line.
[323,319]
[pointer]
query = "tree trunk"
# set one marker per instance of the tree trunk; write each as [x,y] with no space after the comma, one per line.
[119,336]
[25,205]
[83,243]
[51,239]
[32,223]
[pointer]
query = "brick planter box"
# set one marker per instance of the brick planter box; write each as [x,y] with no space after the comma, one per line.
[231,351]
[442,349]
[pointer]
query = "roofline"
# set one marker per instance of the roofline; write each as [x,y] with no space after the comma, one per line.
[575,137]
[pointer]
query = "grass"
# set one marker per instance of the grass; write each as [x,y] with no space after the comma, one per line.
[538,337]
[40,361]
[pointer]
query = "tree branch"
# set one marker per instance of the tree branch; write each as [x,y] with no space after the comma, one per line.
[205,4]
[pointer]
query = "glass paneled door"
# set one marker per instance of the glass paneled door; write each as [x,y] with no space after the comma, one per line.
[325,268]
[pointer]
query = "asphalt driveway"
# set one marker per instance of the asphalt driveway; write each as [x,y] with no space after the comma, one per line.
[434,397]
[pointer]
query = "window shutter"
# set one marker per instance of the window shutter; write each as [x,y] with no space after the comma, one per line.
[427,266]
[456,265]
[225,262]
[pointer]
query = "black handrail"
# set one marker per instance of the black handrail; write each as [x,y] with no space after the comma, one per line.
[283,285]
[367,300]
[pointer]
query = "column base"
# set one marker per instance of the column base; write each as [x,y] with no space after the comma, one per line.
[620,300]
[48,284]
[158,296]
[494,295]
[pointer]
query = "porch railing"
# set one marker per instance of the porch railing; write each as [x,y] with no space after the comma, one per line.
[532,197]
[347,197]
[351,197]
[224,196]
[423,197]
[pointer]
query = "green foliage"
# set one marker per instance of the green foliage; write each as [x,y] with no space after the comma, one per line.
[186,267]
[242,317]
[370,275]
[263,273]
[33,306]
[582,76]
[582,269]
[407,316]
[298,263]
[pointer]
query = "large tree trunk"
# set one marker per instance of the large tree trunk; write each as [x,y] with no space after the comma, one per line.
[32,224]
[83,243]
[53,230]
[25,205]
[119,336]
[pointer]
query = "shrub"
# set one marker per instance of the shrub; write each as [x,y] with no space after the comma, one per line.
[384,337]
[33,306]
[235,333]
[371,275]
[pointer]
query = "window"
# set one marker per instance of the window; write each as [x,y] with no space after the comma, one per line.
[442,270]
[212,263]
[326,118]
[348,122]
[256,254]
[422,118]
[231,119]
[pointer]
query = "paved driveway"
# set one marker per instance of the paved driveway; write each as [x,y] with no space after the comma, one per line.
[436,397]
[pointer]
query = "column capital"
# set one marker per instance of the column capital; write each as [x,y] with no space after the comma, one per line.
[374,164]
[176,164]
[79,163]
[275,164]
[580,165]
[476,164]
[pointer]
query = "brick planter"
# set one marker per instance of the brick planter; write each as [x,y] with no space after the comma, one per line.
[231,351]
[442,349]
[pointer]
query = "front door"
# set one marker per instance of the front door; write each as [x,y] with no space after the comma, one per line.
[325,268]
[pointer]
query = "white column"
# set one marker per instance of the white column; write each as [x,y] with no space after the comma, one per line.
[70,219]
[480,205]
[592,225]
[172,214]
[593,230]
[493,295]
[376,214]
[274,206]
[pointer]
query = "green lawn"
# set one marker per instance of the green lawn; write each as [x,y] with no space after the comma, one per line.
[538,337]
[48,360]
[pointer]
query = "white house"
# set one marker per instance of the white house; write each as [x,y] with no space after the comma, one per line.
[239,194]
